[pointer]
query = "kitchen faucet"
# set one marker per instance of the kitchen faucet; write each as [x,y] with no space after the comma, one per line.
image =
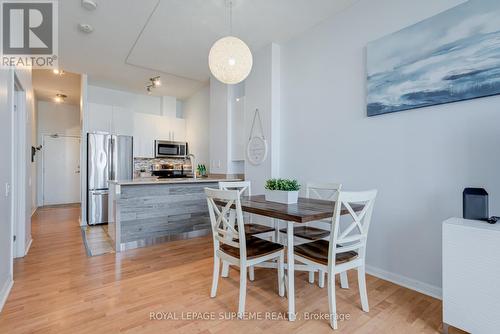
[192,158]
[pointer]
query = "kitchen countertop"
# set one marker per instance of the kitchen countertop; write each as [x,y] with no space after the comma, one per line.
[152,180]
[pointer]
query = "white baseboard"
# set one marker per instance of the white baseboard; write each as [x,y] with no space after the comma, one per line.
[4,292]
[410,283]
[28,247]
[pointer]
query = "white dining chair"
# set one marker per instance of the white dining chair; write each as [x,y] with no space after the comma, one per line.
[233,246]
[321,230]
[251,229]
[346,248]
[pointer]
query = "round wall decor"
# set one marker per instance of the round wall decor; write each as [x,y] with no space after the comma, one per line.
[257,147]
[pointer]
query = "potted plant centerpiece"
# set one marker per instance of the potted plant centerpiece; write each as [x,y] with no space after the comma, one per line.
[282,191]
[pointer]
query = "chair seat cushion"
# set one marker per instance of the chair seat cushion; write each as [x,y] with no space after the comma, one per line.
[308,232]
[256,247]
[253,229]
[317,251]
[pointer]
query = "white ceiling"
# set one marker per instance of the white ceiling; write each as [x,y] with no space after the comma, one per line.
[46,85]
[176,41]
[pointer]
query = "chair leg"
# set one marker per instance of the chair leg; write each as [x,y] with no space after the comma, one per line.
[344,282]
[321,279]
[251,273]
[331,301]
[225,269]
[243,291]
[215,279]
[281,274]
[362,289]
[311,277]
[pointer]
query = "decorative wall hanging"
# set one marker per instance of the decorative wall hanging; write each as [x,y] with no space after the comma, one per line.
[450,57]
[257,144]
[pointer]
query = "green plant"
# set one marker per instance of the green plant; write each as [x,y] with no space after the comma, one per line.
[202,170]
[282,184]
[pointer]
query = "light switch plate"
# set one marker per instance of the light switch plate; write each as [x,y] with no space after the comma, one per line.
[7,189]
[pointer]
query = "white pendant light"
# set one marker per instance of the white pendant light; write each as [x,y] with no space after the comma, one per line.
[230,59]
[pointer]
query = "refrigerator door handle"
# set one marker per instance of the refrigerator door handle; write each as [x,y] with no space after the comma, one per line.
[111,158]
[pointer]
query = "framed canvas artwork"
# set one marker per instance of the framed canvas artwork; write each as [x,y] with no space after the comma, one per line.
[450,57]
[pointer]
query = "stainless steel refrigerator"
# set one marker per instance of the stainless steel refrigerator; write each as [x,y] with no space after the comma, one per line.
[109,157]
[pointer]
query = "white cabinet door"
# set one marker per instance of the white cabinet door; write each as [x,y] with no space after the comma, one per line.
[178,129]
[144,135]
[170,128]
[100,118]
[164,129]
[123,121]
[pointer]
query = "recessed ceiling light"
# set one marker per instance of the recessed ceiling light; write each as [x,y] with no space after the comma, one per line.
[86,28]
[60,98]
[89,4]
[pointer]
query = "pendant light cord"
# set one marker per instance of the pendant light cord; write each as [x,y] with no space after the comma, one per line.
[230,18]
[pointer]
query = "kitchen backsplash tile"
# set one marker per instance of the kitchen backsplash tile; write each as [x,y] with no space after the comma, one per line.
[147,163]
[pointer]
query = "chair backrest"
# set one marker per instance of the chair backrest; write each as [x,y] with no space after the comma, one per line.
[223,219]
[243,187]
[325,191]
[352,234]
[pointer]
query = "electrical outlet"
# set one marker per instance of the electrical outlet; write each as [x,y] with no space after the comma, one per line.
[7,189]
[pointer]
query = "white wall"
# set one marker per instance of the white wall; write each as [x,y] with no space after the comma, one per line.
[196,113]
[6,80]
[419,160]
[83,148]
[24,226]
[54,118]
[58,118]
[262,91]
[164,105]
[218,125]
[24,231]
[34,165]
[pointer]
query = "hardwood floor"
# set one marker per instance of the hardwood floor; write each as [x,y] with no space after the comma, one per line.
[58,289]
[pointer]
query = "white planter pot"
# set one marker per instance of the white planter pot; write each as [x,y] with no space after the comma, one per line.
[280,196]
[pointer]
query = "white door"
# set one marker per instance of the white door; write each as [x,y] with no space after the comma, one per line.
[61,170]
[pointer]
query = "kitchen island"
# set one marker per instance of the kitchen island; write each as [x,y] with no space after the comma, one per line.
[144,212]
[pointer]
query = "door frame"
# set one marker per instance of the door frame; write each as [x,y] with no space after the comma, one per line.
[19,163]
[42,183]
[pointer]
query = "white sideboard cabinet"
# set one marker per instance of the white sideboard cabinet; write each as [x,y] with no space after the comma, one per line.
[471,276]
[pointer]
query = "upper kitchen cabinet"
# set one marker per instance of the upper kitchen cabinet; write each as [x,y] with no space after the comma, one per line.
[171,129]
[178,129]
[145,133]
[123,121]
[145,128]
[100,118]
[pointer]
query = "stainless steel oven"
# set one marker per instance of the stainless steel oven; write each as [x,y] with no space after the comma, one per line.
[170,149]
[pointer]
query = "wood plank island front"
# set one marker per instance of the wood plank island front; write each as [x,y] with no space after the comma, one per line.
[149,211]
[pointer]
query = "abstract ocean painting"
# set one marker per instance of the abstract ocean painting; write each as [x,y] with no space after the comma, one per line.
[450,57]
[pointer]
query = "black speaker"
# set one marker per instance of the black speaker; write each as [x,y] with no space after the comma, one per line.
[475,204]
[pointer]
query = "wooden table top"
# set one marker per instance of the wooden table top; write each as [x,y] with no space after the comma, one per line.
[306,210]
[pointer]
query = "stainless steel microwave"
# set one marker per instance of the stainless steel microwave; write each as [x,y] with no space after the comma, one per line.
[170,149]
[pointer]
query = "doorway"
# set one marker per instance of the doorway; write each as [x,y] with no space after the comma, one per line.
[61,169]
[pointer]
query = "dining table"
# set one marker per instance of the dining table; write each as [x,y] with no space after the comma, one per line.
[306,210]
